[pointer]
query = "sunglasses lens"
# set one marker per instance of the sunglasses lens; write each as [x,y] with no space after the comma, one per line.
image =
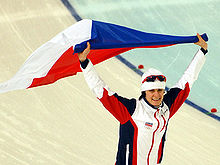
[161,78]
[151,78]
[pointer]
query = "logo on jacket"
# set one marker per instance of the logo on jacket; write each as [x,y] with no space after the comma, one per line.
[147,124]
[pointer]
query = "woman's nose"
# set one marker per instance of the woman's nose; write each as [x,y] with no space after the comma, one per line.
[156,93]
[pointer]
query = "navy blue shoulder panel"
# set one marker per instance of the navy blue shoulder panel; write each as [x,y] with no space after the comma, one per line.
[130,104]
[170,96]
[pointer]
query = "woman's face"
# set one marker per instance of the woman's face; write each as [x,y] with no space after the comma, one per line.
[155,96]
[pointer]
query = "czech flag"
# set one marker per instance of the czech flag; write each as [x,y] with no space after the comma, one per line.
[58,58]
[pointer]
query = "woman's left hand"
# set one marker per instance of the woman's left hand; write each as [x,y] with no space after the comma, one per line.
[201,42]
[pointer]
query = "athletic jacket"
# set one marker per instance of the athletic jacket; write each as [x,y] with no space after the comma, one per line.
[142,127]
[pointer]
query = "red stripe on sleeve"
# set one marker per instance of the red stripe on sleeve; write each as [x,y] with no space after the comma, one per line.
[181,97]
[115,107]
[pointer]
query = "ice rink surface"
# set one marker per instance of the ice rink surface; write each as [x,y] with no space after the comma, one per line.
[63,123]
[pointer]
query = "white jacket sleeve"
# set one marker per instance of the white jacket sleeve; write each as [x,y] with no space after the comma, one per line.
[95,83]
[118,106]
[191,73]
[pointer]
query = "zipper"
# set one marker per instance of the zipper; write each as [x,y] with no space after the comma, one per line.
[127,153]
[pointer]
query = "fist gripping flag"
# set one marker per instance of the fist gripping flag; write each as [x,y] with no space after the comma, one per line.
[58,58]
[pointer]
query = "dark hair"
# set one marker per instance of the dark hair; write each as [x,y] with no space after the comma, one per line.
[143,95]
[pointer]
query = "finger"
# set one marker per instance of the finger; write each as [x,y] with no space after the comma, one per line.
[197,43]
[199,37]
[88,45]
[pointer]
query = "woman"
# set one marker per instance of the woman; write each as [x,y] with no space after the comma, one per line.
[143,122]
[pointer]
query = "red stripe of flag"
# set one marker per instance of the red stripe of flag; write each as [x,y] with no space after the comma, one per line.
[68,64]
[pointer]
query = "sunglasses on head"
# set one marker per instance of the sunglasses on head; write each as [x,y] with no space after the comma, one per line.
[152,78]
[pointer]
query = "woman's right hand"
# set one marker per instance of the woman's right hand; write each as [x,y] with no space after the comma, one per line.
[83,55]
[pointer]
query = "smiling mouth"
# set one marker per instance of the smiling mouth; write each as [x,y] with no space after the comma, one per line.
[156,99]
